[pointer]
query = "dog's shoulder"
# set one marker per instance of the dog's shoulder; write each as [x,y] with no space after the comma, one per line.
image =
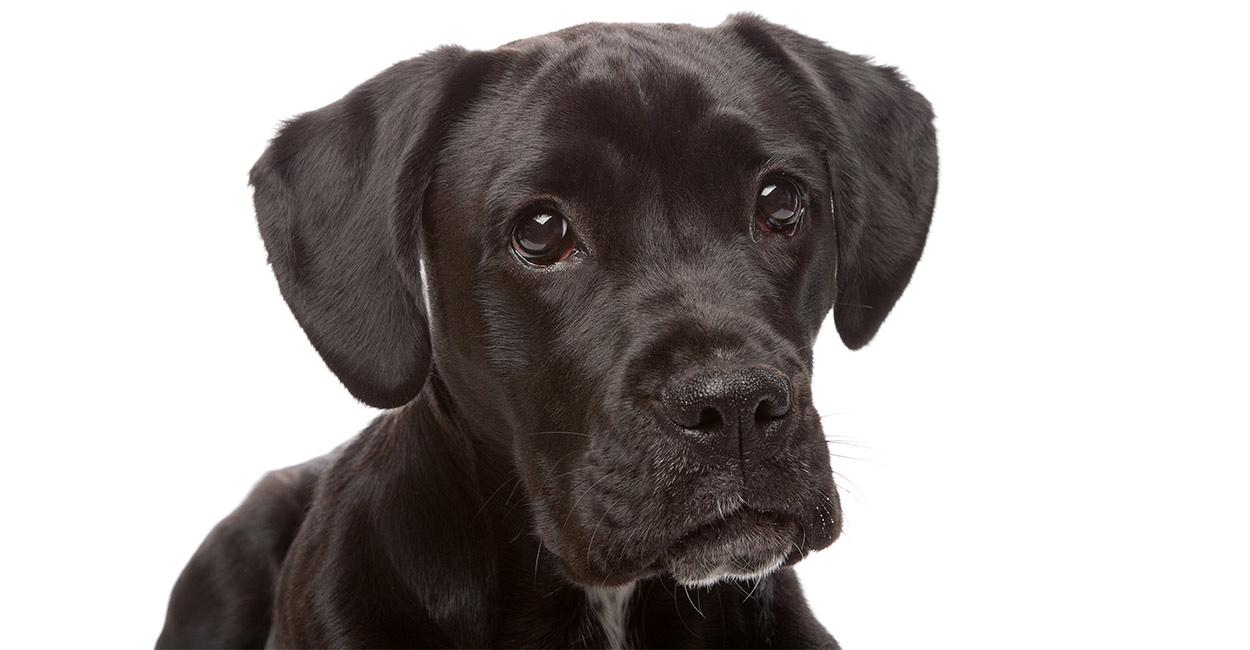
[224,596]
[399,510]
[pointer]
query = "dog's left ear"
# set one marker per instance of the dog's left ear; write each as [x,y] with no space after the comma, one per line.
[338,198]
[881,149]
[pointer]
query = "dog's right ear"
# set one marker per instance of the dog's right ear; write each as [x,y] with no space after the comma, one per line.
[338,197]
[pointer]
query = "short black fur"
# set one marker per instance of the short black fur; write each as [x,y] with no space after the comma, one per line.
[619,449]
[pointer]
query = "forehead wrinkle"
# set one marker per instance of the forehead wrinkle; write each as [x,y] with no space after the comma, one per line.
[555,173]
[636,90]
[628,95]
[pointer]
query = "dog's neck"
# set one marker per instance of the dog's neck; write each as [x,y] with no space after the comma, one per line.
[532,587]
[512,590]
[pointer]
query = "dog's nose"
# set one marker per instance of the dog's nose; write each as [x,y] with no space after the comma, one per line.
[734,408]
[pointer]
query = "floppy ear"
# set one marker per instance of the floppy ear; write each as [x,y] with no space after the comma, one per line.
[882,153]
[338,197]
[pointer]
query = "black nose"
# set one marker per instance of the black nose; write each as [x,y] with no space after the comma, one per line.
[734,408]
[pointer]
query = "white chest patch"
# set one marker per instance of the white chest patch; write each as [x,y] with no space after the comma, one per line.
[425,284]
[609,606]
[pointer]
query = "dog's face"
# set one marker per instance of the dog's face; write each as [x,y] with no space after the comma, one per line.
[647,242]
[614,246]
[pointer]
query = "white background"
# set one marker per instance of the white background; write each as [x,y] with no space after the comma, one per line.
[1046,444]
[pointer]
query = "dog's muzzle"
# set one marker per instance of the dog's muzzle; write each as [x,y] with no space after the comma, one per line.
[736,416]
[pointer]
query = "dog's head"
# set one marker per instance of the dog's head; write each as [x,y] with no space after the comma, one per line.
[611,249]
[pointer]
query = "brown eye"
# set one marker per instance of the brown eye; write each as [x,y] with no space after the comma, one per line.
[778,207]
[543,239]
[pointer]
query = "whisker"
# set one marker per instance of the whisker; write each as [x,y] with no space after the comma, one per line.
[677,609]
[508,501]
[757,586]
[528,145]
[842,483]
[492,495]
[547,481]
[562,475]
[537,555]
[561,433]
[842,442]
[594,532]
[691,601]
[579,499]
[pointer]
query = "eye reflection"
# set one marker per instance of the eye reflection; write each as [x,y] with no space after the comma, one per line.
[778,206]
[543,239]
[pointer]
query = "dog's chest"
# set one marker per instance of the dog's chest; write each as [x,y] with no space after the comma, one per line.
[608,608]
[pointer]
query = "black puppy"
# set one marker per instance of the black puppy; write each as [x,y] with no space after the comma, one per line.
[586,270]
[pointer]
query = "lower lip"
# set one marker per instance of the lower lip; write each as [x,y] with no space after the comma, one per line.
[746,544]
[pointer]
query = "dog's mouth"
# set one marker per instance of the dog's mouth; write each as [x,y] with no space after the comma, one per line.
[744,545]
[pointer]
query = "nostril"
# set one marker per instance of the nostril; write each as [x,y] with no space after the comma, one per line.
[774,403]
[709,420]
[769,410]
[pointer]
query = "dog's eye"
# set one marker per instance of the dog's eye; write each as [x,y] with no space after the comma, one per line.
[778,207]
[543,239]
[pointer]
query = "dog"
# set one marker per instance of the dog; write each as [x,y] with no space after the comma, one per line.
[584,272]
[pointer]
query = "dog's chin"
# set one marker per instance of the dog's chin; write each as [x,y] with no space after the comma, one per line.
[743,546]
